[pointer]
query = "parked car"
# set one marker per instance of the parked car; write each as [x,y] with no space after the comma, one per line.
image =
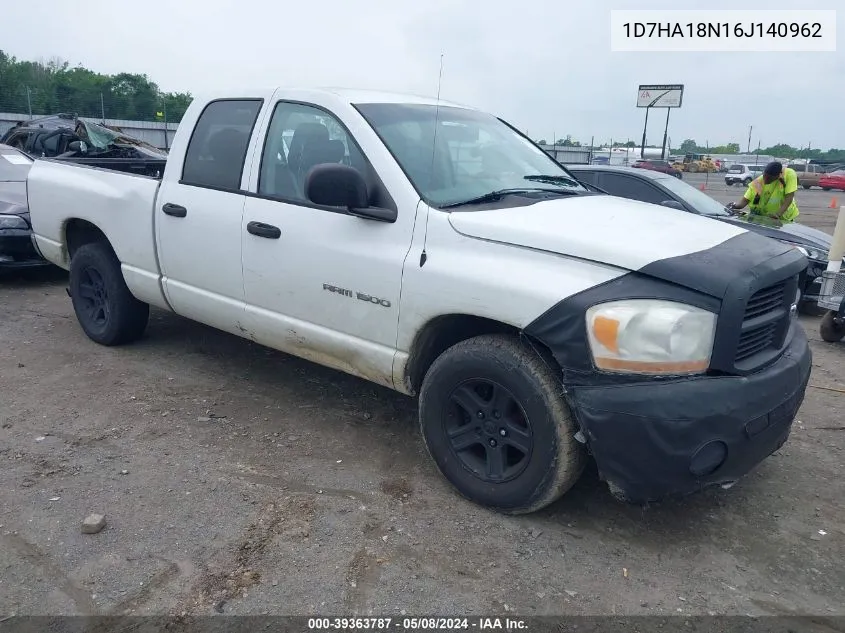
[742,174]
[658,165]
[833,180]
[809,175]
[69,138]
[16,249]
[660,189]
[434,249]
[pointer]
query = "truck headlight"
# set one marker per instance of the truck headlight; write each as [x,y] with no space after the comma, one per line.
[12,222]
[650,336]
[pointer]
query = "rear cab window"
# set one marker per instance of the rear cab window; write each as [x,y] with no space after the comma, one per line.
[735,169]
[217,149]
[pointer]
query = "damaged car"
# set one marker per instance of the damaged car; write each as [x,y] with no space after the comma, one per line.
[67,137]
[16,249]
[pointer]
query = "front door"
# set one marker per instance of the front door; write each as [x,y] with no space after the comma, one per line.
[319,283]
[198,218]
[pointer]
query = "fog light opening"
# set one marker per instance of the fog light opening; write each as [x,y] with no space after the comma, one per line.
[708,459]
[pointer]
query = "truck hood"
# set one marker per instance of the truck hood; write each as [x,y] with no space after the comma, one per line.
[606,229]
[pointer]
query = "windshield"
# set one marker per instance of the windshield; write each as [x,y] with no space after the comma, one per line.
[474,153]
[695,198]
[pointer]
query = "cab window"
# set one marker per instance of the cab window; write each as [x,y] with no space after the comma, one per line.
[217,149]
[302,136]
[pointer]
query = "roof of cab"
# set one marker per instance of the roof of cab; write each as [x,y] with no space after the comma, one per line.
[353,96]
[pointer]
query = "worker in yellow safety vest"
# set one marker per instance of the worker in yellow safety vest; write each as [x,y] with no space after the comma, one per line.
[772,194]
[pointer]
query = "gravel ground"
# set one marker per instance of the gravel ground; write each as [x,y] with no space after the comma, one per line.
[238,480]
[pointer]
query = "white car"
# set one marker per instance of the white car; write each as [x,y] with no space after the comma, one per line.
[742,174]
[434,249]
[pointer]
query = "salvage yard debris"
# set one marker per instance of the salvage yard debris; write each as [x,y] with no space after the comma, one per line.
[93,524]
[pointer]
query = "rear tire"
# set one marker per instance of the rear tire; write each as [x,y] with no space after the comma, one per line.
[494,420]
[746,182]
[106,310]
[806,186]
[830,331]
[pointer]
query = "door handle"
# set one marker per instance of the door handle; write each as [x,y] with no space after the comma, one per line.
[176,210]
[264,230]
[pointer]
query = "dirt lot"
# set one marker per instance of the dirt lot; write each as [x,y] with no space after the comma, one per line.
[241,480]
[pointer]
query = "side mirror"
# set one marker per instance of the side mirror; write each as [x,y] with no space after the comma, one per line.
[673,204]
[336,185]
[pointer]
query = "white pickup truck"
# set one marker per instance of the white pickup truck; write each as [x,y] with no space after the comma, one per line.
[434,249]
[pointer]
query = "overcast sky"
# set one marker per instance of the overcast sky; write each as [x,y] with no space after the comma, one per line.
[544,65]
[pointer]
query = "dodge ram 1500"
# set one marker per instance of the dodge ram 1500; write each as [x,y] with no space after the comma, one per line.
[434,249]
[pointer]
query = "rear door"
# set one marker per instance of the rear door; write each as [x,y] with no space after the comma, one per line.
[199,212]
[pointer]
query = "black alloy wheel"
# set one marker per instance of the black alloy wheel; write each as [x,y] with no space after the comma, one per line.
[488,430]
[94,297]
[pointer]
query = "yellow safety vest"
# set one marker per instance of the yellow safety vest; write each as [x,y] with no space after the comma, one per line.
[766,199]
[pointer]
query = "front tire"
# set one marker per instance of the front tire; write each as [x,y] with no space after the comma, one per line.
[106,310]
[830,331]
[494,420]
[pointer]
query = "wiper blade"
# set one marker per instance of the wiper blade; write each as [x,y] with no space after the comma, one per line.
[554,180]
[493,196]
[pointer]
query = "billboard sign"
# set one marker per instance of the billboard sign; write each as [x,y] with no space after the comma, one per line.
[665,96]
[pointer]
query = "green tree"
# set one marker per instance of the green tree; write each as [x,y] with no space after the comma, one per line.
[55,87]
[689,146]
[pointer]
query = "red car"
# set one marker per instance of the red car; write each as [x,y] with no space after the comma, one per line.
[833,180]
[658,165]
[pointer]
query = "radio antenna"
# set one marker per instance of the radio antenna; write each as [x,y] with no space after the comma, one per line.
[424,255]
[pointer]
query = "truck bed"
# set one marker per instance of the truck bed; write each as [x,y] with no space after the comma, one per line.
[141,167]
[66,195]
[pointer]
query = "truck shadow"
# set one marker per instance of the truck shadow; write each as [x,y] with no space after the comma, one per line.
[386,422]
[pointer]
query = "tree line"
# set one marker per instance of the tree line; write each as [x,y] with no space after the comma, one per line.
[53,87]
[781,150]
[689,146]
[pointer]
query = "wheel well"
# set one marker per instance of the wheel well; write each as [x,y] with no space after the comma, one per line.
[80,232]
[443,332]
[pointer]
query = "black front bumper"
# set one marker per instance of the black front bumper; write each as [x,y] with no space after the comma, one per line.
[662,438]
[17,251]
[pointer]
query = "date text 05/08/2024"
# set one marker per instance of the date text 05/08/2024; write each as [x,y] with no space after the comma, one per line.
[378,624]
[722,29]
